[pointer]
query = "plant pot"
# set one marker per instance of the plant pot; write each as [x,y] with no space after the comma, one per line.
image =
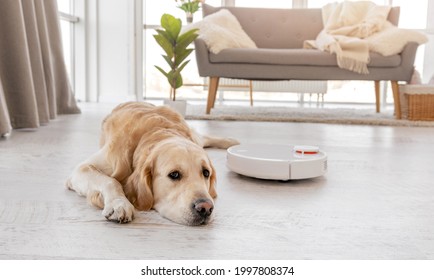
[179,106]
[189,17]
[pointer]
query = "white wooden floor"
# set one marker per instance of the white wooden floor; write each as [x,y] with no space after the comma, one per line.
[376,202]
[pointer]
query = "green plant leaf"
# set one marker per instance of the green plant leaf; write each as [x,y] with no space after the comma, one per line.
[179,58]
[172,25]
[166,35]
[165,44]
[184,8]
[190,6]
[175,79]
[186,39]
[169,61]
[182,67]
[188,36]
[161,70]
[179,81]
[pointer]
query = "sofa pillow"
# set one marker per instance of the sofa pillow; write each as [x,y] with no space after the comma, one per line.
[222,30]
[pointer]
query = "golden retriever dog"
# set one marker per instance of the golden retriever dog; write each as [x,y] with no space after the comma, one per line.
[149,158]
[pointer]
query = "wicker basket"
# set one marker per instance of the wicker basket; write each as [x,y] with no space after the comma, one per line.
[417,102]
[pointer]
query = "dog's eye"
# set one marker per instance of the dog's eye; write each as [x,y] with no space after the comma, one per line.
[205,173]
[175,175]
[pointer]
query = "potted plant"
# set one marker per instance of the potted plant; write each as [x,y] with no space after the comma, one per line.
[189,7]
[175,45]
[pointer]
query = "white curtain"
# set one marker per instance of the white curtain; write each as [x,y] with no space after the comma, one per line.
[34,85]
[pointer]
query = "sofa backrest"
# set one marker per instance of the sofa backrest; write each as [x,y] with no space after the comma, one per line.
[281,28]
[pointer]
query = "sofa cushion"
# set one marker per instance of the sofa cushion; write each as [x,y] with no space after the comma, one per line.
[293,57]
[275,28]
[222,30]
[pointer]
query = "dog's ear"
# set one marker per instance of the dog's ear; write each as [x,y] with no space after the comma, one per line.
[138,187]
[147,197]
[212,182]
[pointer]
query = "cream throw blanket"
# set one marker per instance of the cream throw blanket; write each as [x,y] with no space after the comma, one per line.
[345,26]
[352,29]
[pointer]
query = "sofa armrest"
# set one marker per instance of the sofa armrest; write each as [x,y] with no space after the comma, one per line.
[409,53]
[408,56]
[202,57]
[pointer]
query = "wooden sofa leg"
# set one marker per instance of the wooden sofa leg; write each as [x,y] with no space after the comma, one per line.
[377,96]
[396,100]
[212,92]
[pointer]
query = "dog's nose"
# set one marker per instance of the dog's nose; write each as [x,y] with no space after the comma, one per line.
[203,207]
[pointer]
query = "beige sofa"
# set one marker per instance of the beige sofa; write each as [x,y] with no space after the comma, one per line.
[279,35]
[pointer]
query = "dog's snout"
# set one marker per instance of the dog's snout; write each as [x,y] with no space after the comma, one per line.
[203,207]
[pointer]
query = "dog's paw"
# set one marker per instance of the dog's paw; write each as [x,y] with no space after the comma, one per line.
[119,210]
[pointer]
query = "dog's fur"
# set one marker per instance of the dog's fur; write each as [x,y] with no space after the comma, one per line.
[150,158]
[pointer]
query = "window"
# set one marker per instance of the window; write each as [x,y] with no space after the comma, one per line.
[67,20]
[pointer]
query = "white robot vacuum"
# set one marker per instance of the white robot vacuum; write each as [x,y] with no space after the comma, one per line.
[277,162]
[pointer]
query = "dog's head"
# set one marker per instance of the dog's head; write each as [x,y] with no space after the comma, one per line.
[177,179]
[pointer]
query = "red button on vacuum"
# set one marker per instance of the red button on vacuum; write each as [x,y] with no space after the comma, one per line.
[306,150]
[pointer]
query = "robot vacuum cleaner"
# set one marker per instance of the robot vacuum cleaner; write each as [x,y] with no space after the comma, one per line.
[277,162]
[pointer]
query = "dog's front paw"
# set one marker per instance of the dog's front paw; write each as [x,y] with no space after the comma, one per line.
[119,210]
